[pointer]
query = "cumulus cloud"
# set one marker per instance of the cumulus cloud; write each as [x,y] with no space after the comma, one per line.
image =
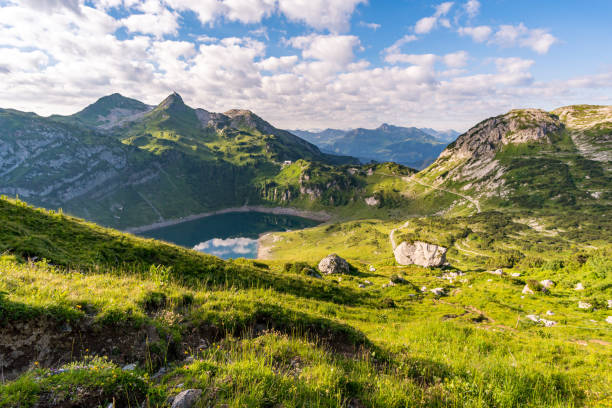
[337,49]
[156,20]
[426,24]
[539,40]
[479,34]
[472,7]
[333,15]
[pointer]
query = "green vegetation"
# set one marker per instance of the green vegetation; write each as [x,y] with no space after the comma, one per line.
[264,333]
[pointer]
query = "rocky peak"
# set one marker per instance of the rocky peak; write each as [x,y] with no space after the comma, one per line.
[173,100]
[245,118]
[516,126]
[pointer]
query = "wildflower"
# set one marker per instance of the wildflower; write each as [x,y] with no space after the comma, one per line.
[36,363]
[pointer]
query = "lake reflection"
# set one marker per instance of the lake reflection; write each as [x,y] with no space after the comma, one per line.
[231,235]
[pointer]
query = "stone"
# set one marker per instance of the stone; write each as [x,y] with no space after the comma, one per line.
[367,282]
[391,283]
[527,290]
[547,283]
[610,304]
[420,253]
[498,272]
[372,269]
[579,286]
[129,367]
[438,291]
[515,274]
[361,285]
[372,201]
[548,323]
[533,318]
[584,305]
[423,288]
[333,264]
[186,399]
[609,319]
[550,313]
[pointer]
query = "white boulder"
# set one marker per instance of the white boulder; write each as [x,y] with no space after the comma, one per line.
[420,253]
[547,283]
[437,291]
[527,290]
[498,272]
[584,305]
[333,264]
[609,319]
[579,286]
[372,201]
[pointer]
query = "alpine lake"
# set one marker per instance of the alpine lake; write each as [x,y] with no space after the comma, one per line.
[230,235]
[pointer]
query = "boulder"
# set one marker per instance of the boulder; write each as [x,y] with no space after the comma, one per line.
[610,304]
[372,269]
[498,272]
[386,285]
[361,285]
[438,291]
[333,264]
[550,313]
[186,399]
[420,253]
[579,286]
[129,367]
[527,290]
[547,283]
[609,319]
[533,318]
[515,274]
[584,305]
[372,201]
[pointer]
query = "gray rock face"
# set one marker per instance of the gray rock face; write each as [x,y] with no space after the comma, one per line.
[420,253]
[186,399]
[333,264]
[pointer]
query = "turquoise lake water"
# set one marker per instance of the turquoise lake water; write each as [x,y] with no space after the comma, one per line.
[231,235]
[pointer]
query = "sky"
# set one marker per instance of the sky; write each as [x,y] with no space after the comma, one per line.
[310,64]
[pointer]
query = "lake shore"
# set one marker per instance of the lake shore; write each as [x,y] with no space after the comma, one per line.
[312,215]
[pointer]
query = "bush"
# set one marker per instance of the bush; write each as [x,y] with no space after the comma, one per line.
[153,301]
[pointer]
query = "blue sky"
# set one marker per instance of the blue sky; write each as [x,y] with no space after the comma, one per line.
[310,64]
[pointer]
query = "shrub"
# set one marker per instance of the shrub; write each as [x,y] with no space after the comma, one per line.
[153,301]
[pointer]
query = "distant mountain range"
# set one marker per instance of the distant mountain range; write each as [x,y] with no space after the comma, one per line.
[409,146]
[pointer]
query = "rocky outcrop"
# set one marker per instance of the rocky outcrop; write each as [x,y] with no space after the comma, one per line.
[186,399]
[333,264]
[420,253]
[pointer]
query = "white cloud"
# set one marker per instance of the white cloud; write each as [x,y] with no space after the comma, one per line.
[373,26]
[456,59]
[472,7]
[52,5]
[337,49]
[479,34]
[538,40]
[156,20]
[333,15]
[426,24]
[397,46]
[13,59]
[276,64]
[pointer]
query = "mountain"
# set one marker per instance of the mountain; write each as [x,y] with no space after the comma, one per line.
[411,147]
[447,136]
[125,164]
[530,158]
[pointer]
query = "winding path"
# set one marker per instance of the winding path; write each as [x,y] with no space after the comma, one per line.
[470,199]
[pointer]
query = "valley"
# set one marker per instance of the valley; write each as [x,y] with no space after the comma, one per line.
[507,301]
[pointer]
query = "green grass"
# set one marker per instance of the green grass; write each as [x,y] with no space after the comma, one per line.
[261,334]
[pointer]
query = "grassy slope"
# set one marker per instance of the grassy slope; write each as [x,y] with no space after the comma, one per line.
[327,343]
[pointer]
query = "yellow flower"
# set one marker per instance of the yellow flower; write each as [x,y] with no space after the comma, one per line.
[36,363]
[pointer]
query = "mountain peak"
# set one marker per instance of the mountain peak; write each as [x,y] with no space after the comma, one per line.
[110,109]
[172,100]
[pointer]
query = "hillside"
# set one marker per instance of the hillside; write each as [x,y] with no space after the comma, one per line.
[78,302]
[122,163]
[411,146]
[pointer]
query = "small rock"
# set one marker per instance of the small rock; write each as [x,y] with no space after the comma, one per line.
[548,323]
[129,367]
[498,272]
[547,283]
[610,304]
[489,280]
[391,283]
[424,289]
[186,399]
[515,274]
[579,286]
[361,285]
[333,264]
[372,269]
[584,305]
[367,282]
[437,291]
[609,319]
[534,318]
[550,313]
[527,290]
